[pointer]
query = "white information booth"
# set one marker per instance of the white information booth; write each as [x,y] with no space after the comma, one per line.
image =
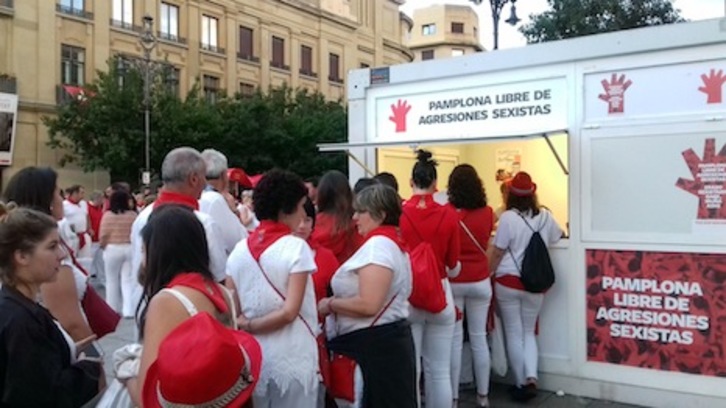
[625,135]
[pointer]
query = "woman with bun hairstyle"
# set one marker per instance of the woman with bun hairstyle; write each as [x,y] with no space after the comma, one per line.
[519,308]
[40,365]
[334,223]
[37,188]
[472,288]
[424,220]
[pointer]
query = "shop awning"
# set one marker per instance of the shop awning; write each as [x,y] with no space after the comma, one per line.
[413,144]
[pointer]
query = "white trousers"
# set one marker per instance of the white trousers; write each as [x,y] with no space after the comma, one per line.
[97,263]
[519,310]
[120,281]
[294,397]
[474,299]
[432,336]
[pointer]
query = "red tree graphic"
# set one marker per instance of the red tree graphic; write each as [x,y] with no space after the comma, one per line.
[400,112]
[712,85]
[615,93]
[709,180]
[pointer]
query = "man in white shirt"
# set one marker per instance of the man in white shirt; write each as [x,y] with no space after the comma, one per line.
[75,210]
[214,203]
[184,175]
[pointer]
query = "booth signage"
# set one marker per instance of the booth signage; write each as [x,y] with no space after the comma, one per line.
[708,183]
[657,310]
[514,109]
[8,123]
[656,91]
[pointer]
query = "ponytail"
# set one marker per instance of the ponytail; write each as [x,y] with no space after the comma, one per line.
[424,171]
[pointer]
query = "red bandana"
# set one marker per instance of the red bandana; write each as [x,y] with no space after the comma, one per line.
[170,197]
[210,289]
[266,234]
[391,232]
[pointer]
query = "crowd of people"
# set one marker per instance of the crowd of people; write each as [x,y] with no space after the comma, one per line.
[237,293]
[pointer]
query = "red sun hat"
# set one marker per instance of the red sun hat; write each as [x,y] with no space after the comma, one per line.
[521,185]
[238,175]
[203,364]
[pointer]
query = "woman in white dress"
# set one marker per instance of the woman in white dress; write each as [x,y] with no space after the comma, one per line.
[37,188]
[271,272]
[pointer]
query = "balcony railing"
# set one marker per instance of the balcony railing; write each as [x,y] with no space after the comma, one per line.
[6,7]
[247,57]
[335,79]
[72,11]
[8,84]
[279,65]
[61,96]
[124,25]
[171,37]
[308,73]
[212,48]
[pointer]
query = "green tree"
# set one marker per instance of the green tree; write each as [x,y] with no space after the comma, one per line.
[278,128]
[575,18]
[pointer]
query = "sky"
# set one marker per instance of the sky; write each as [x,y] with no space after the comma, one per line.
[509,37]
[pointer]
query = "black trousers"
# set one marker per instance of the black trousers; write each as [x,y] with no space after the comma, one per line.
[387,360]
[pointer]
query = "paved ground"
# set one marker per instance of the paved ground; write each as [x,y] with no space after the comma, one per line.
[498,395]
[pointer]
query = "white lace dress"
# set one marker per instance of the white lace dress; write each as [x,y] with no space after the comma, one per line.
[289,354]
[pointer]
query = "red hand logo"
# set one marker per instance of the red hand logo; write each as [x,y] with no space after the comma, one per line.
[713,83]
[615,93]
[400,111]
[709,180]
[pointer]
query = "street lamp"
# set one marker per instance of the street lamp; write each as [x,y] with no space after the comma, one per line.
[148,70]
[497,6]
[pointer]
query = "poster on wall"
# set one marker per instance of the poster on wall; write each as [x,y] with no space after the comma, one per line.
[508,162]
[8,122]
[657,310]
[708,183]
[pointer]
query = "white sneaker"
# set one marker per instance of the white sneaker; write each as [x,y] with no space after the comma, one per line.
[482,401]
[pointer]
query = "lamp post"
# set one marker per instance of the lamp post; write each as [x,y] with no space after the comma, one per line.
[148,70]
[497,6]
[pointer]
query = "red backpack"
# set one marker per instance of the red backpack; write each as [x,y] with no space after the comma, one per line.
[427,292]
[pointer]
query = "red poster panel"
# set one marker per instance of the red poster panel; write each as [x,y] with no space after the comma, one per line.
[658,310]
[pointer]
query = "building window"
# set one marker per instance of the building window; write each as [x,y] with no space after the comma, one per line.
[73,65]
[123,13]
[169,22]
[457,28]
[306,61]
[211,88]
[457,52]
[172,80]
[428,29]
[278,53]
[334,64]
[209,33]
[246,89]
[427,55]
[73,7]
[246,44]
[363,65]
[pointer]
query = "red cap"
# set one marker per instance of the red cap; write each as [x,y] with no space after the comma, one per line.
[521,185]
[203,364]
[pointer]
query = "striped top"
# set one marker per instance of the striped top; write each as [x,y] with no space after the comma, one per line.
[116,228]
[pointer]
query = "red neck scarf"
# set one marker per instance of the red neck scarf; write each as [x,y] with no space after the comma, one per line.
[265,235]
[198,282]
[391,232]
[170,197]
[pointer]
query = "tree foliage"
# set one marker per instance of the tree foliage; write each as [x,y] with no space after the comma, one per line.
[576,18]
[277,128]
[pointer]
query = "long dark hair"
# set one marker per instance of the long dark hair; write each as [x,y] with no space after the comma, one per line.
[336,198]
[175,243]
[523,204]
[466,189]
[424,171]
[32,187]
[119,202]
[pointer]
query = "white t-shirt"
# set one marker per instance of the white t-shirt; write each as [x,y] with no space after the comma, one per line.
[514,234]
[290,353]
[217,256]
[232,231]
[382,251]
[77,215]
